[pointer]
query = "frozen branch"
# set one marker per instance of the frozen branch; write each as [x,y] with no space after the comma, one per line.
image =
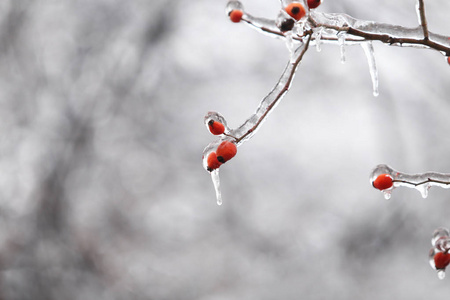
[387,179]
[250,126]
[358,30]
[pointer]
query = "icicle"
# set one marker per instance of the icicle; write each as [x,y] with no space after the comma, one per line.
[368,50]
[423,189]
[216,181]
[341,41]
[318,39]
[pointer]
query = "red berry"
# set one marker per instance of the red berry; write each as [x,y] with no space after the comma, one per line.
[236,15]
[448,59]
[314,3]
[296,10]
[441,260]
[216,128]
[226,151]
[212,162]
[383,182]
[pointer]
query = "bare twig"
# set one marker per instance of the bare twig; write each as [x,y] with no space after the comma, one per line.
[423,20]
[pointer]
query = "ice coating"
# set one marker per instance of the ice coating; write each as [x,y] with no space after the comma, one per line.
[421,181]
[263,25]
[290,44]
[443,244]
[208,149]
[285,3]
[438,234]
[368,50]
[431,255]
[233,5]
[216,117]
[434,252]
[387,33]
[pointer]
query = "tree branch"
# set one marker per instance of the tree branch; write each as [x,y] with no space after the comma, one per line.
[422,18]
[360,30]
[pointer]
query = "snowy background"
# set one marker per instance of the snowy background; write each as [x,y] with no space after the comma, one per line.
[102,190]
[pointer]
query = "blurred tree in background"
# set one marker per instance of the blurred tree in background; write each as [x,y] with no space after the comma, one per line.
[102,191]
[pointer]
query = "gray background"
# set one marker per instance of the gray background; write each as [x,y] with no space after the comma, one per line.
[102,190]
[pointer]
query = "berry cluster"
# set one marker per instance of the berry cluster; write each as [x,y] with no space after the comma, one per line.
[226,150]
[295,10]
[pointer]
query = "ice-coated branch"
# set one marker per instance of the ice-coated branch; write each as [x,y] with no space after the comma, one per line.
[386,33]
[386,179]
[298,24]
[215,154]
[357,31]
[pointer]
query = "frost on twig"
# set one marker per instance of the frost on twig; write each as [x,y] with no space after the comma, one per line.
[387,179]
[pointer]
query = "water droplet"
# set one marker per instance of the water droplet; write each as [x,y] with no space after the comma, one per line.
[441,274]
[387,195]
[216,181]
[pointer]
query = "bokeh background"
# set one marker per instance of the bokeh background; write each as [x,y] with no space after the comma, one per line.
[102,190]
